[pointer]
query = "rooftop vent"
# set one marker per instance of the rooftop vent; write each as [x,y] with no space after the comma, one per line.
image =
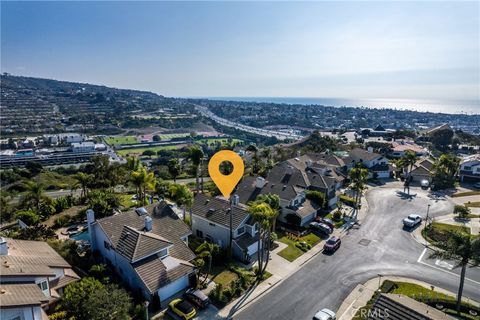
[141,211]
[211,211]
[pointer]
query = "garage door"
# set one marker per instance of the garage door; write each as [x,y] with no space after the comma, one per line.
[172,288]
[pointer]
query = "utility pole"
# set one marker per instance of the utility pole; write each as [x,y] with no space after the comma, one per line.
[427,218]
[230,212]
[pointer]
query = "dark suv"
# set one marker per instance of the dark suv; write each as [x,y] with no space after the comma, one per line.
[197,298]
[332,244]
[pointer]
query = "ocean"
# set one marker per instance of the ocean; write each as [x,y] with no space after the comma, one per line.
[436,106]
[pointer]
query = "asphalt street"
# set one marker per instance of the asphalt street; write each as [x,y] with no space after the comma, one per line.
[379,246]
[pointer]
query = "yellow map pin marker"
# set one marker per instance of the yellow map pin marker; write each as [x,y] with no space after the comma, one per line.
[226,183]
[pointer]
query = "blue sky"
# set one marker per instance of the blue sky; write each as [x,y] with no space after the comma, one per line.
[398,50]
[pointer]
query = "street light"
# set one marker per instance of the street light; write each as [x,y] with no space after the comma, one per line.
[146,303]
[427,218]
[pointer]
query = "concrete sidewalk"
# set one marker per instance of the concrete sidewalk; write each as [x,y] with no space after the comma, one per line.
[364,292]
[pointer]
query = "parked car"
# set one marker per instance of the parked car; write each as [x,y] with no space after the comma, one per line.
[325,314]
[332,244]
[321,227]
[328,222]
[412,220]
[197,298]
[477,185]
[424,184]
[182,308]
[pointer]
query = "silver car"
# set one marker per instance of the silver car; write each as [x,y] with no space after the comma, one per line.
[325,314]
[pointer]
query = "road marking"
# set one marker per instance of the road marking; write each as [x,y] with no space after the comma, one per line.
[442,269]
[444,264]
[421,256]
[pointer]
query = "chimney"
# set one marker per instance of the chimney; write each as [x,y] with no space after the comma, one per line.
[148,223]
[370,150]
[235,199]
[260,182]
[90,217]
[3,247]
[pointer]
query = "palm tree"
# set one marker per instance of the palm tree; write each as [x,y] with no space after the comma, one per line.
[143,181]
[273,201]
[174,168]
[83,181]
[34,195]
[463,248]
[262,214]
[407,161]
[445,169]
[358,177]
[183,197]
[195,154]
[207,250]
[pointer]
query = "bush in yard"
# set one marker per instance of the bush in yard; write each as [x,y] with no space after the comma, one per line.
[62,221]
[461,210]
[28,216]
[388,286]
[337,215]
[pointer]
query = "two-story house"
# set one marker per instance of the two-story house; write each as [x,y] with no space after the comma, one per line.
[376,164]
[32,276]
[421,170]
[148,249]
[470,168]
[211,219]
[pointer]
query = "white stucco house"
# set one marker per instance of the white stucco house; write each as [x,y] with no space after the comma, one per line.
[470,168]
[147,247]
[376,163]
[211,222]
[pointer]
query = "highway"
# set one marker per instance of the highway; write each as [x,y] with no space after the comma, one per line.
[280,135]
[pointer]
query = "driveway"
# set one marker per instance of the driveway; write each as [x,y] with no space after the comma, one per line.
[378,246]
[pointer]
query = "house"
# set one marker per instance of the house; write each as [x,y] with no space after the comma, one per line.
[148,248]
[211,221]
[470,168]
[421,170]
[399,148]
[397,306]
[292,179]
[32,275]
[374,162]
[22,301]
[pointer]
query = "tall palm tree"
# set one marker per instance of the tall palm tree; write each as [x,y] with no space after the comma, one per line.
[358,178]
[195,154]
[174,168]
[262,214]
[83,181]
[407,161]
[34,195]
[206,251]
[143,180]
[183,197]
[445,169]
[273,201]
[464,249]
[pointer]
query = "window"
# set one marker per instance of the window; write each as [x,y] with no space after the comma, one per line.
[43,285]
[467,168]
[199,234]
[211,224]
[241,230]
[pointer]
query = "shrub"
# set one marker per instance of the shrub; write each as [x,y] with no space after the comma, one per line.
[62,221]
[28,216]
[388,286]
[337,215]
[347,200]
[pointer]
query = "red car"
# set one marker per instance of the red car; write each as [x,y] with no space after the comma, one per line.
[332,244]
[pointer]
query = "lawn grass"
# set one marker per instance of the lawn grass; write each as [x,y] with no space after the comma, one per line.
[54,181]
[119,140]
[223,141]
[475,204]
[465,194]
[291,252]
[416,291]
[444,227]
[336,224]
[225,278]
[139,151]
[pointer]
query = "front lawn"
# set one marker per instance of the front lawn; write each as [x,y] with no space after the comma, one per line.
[465,194]
[437,232]
[292,252]
[225,278]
